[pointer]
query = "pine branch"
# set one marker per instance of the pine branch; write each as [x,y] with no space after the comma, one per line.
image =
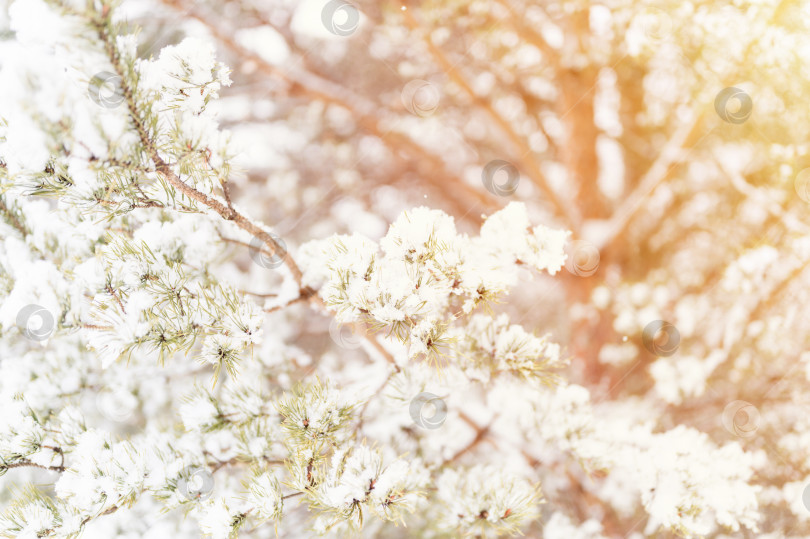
[29,464]
[227,213]
[11,218]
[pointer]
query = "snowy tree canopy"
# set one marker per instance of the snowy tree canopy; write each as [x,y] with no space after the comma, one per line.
[431,269]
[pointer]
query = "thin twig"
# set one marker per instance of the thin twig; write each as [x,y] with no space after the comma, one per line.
[97,328]
[229,214]
[225,212]
[113,294]
[364,112]
[527,157]
[305,295]
[29,464]
[377,393]
[480,435]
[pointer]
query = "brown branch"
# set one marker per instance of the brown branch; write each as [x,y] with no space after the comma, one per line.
[761,198]
[377,345]
[229,214]
[364,113]
[305,295]
[316,300]
[107,511]
[527,158]
[249,246]
[97,328]
[683,138]
[226,192]
[28,464]
[226,213]
[480,434]
[113,294]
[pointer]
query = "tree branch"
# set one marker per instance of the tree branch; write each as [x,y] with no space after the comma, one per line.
[527,157]
[363,112]
[226,213]
[166,171]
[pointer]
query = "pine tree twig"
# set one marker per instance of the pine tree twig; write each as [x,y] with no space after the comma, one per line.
[316,300]
[165,170]
[480,434]
[305,295]
[29,464]
[190,192]
[376,394]
[111,291]
[94,327]
[11,218]
[226,192]
[107,511]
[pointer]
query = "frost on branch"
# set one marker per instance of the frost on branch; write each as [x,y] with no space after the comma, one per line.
[315,415]
[265,496]
[427,275]
[356,482]
[486,502]
[31,515]
[687,483]
[157,301]
[489,346]
[179,86]
[684,481]
[342,480]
